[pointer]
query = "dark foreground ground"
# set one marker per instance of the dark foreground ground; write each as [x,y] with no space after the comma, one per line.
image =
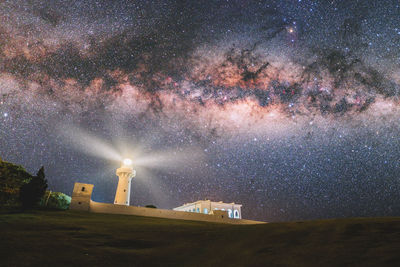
[66,238]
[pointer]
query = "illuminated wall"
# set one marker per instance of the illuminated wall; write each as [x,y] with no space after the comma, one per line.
[81,200]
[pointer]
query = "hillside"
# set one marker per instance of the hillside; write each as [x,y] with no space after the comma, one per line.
[83,239]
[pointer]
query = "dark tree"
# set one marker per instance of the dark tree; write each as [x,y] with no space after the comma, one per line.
[32,192]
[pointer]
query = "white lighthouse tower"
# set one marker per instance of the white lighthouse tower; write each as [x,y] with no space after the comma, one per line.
[125,174]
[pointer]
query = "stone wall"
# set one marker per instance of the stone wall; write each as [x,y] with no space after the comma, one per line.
[169,214]
[81,200]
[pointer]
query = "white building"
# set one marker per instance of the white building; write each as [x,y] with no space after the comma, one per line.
[208,207]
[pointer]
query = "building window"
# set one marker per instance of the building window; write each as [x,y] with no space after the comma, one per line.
[230,215]
[236,214]
[124,190]
[193,210]
[83,189]
[198,210]
[205,211]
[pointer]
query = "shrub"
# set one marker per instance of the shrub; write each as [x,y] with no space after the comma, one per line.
[55,200]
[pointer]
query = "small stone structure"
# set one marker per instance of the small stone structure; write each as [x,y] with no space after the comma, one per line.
[81,200]
[81,197]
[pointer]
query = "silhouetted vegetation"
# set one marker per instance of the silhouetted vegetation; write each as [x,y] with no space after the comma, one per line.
[33,191]
[18,187]
[12,178]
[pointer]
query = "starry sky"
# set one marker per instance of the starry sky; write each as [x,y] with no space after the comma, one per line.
[290,108]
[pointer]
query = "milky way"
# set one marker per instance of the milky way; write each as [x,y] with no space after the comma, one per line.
[292,107]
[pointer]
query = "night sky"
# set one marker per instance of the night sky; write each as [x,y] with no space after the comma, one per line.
[290,108]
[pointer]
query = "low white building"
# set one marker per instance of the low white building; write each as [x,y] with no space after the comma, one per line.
[208,207]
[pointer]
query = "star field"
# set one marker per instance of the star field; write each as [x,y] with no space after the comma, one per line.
[290,108]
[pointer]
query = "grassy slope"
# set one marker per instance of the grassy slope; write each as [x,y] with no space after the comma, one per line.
[81,239]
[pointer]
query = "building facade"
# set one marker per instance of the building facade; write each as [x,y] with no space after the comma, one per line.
[209,207]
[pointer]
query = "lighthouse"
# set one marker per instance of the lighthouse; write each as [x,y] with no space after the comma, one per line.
[125,174]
